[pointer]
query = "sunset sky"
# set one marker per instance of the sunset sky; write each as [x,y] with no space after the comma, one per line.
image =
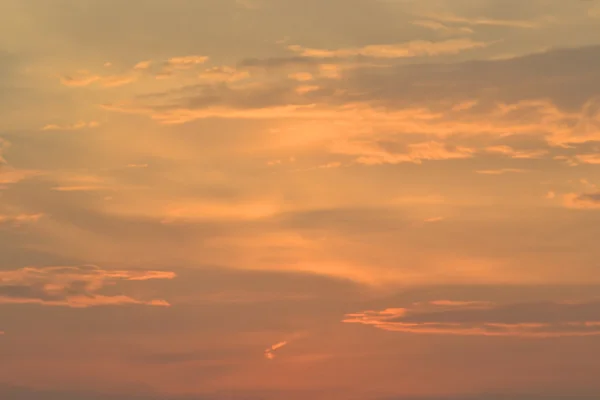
[299,199]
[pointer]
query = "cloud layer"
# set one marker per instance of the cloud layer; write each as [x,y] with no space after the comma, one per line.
[534,320]
[77,287]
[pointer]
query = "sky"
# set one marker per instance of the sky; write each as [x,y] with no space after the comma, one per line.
[299,199]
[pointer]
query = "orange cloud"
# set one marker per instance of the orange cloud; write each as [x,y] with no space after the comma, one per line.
[434,219]
[374,154]
[417,48]
[524,117]
[454,303]
[590,201]
[83,183]
[10,175]
[3,146]
[302,76]
[500,171]
[84,78]
[205,210]
[375,97]
[77,287]
[80,79]
[510,152]
[118,80]
[270,352]
[186,62]
[72,127]
[588,158]
[485,21]
[445,29]
[142,65]
[222,74]
[535,320]
[19,219]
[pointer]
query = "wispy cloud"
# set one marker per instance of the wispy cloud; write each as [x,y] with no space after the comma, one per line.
[442,28]
[399,98]
[583,201]
[10,175]
[466,318]
[73,182]
[500,171]
[370,153]
[156,69]
[71,127]
[79,79]
[270,352]
[4,144]
[19,219]
[518,154]
[588,158]
[417,48]
[76,287]
[487,21]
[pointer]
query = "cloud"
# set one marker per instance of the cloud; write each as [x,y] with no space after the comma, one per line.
[117,80]
[376,154]
[19,219]
[3,146]
[76,287]
[185,62]
[80,188]
[270,352]
[583,201]
[10,175]
[588,158]
[417,48]
[86,78]
[67,182]
[519,154]
[222,74]
[162,69]
[500,171]
[454,303]
[440,27]
[79,79]
[434,219]
[71,127]
[486,21]
[302,76]
[142,65]
[198,210]
[175,64]
[527,320]
[280,63]
[485,98]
